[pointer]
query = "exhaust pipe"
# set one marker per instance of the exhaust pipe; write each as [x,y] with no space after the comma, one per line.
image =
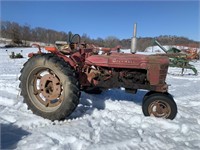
[134,40]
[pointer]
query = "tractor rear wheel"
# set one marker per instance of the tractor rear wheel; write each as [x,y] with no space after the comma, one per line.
[49,86]
[92,90]
[159,105]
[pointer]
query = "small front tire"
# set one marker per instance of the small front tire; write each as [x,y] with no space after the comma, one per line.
[159,105]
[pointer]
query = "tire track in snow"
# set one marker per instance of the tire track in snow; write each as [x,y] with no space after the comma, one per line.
[195,78]
[188,108]
[191,99]
[19,111]
[9,87]
[12,105]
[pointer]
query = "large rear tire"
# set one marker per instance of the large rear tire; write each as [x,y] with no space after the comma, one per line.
[49,86]
[159,105]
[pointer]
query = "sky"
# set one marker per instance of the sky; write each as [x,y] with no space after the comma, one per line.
[108,18]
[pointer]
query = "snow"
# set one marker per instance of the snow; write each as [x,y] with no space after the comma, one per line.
[157,49]
[112,120]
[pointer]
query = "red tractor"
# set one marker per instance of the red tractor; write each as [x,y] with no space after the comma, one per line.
[51,83]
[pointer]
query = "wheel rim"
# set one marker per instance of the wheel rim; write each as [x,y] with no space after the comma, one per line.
[159,108]
[47,89]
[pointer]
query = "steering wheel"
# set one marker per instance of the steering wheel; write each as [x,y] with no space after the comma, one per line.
[75,37]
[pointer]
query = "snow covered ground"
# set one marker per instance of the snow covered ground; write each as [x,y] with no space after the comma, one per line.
[112,120]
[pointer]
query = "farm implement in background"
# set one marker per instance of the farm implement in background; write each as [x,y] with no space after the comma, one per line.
[14,56]
[177,58]
[192,54]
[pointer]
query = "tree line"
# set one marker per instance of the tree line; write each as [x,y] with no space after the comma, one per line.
[22,33]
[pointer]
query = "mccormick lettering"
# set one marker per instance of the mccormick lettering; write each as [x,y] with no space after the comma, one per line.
[123,61]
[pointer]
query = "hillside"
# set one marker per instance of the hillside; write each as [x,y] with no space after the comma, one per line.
[21,35]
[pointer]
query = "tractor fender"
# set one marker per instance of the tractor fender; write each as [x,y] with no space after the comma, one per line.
[67,59]
[154,92]
[53,49]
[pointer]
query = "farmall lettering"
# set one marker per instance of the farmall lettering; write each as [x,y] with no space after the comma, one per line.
[123,61]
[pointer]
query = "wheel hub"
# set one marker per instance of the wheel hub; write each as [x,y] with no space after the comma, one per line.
[159,109]
[50,87]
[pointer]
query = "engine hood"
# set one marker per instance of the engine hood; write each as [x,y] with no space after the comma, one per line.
[120,60]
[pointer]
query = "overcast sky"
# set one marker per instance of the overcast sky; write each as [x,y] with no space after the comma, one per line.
[103,19]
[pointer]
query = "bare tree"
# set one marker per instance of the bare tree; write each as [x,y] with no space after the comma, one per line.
[26,34]
[15,34]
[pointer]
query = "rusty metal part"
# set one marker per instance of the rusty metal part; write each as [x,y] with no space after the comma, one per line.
[50,86]
[47,88]
[107,49]
[93,73]
[38,46]
[159,108]
[192,54]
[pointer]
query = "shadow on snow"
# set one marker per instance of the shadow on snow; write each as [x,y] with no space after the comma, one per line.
[89,102]
[11,135]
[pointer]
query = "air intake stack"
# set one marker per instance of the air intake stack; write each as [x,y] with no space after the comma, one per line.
[134,40]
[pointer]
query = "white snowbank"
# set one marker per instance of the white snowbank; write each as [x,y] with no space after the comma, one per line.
[111,120]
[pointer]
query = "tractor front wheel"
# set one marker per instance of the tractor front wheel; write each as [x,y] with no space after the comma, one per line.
[159,105]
